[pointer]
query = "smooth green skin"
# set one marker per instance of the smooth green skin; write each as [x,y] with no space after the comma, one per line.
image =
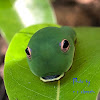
[47,58]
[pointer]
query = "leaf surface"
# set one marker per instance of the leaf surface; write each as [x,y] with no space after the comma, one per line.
[21,84]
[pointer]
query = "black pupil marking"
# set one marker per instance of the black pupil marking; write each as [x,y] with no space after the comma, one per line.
[66,44]
[50,77]
[27,51]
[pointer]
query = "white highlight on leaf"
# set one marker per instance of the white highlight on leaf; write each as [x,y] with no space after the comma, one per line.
[28,12]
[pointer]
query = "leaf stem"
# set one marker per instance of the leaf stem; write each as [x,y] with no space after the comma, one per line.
[58,90]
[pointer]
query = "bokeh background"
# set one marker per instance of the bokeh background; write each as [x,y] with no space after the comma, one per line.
[68,12]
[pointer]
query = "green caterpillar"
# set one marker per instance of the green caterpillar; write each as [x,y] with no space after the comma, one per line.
[50,52]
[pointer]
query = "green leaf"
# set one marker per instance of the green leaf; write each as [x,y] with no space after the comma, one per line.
[17,14]
[21,84]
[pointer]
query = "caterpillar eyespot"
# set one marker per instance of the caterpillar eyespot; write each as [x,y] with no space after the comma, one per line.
[65,45]
[28,52]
